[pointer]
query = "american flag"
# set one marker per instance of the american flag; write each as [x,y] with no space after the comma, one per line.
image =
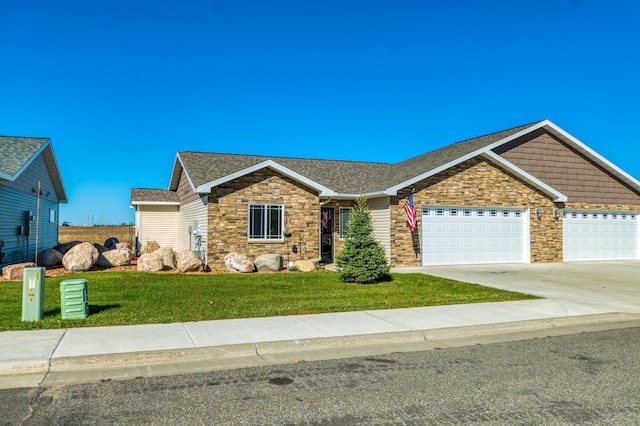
[411,214]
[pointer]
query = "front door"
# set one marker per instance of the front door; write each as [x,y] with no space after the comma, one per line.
[326,234]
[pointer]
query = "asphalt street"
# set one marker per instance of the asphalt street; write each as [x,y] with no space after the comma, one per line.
[587,378]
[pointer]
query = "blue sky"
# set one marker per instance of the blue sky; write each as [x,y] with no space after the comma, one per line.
[120,86]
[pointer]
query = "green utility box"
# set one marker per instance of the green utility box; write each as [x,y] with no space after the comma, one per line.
[74,303]
[32,294]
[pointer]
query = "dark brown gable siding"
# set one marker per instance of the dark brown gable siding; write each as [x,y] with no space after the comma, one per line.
[185,192]
[566,170]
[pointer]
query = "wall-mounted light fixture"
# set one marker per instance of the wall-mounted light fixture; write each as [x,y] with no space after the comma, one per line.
[539,213]
[556,213]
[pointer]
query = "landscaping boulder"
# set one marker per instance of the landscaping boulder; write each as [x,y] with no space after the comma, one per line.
[128,247]
[168,257]
[49,257]
[236,262]
[304,265]
[64,248]
[124,245]
[150,262]
[189,261]
[80,258]
[100,248]
[149,247]
[110,243]
[117,257]
[269,262]
[15,272]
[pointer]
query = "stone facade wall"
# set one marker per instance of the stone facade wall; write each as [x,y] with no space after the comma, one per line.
[228,218]
[478,183]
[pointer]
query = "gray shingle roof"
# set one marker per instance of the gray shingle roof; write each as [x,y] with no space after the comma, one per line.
[15,152]
[343,177]
[352,177]
[153,195]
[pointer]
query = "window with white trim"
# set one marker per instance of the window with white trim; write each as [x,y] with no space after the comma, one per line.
[53,216]
[345,214]
[266,222]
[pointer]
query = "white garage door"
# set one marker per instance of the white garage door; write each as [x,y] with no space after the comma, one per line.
[459,235]
[599,235]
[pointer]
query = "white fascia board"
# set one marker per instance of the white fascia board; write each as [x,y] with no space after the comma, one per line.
[62,197]
[155,203]
[323,190]
[394,189]
[186,173]
[532,180]
[6,177]
[581,147]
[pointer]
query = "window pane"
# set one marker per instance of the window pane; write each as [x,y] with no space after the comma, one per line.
[274,222]
[345,214]
[256,222]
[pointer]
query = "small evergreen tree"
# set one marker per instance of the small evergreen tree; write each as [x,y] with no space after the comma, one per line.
[362,259]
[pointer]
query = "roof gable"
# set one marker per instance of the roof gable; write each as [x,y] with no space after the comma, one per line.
[18,153]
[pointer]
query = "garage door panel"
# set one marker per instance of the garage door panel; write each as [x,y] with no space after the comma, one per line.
[600,235]
[473,235]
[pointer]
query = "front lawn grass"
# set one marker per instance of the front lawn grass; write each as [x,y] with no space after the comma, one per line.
[122,298]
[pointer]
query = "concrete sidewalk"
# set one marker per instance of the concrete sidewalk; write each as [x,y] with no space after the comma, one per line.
[80,355]
[578,297]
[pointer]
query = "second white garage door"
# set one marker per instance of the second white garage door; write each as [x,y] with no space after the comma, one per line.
[599,235]
[459,235]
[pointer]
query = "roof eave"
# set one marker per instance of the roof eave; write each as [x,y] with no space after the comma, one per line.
[154,203]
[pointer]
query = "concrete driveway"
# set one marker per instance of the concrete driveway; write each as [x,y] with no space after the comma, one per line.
[613,285]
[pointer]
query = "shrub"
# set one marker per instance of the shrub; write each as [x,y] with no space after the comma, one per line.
[362,259]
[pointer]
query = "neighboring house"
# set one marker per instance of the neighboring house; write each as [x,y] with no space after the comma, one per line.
[28,216]
[533,193]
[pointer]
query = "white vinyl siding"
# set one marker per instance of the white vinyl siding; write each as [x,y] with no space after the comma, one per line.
[470,235]
[600,235]
[190,213]
[157,223]
[381,222]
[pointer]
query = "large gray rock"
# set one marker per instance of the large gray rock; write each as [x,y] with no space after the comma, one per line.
[50,257]
[65,247]
[269,262]
[168,257]
[128,247]
[188,261]
[150,262]
[117,257]
[149,247]
[100,248]
[236,262]
[304,265]
[80,258]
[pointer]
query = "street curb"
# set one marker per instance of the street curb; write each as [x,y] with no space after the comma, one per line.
[95,368]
